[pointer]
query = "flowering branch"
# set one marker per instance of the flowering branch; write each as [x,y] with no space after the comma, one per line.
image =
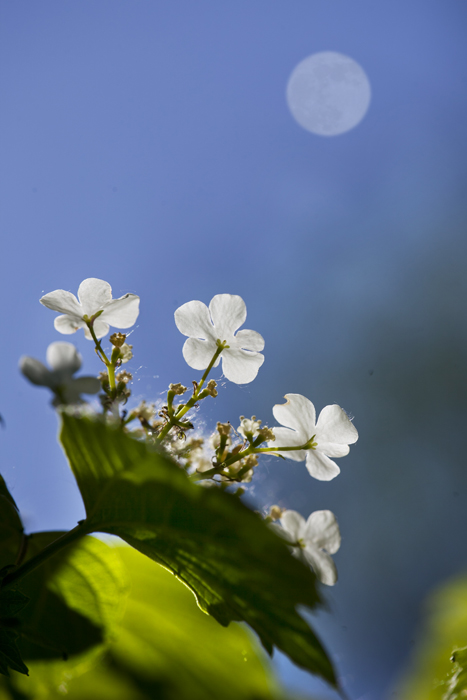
[174,417]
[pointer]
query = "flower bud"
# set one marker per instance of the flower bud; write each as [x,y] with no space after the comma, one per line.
[211,388]
[275,512]
[177,389]
[124,377]
[117,339]
[267,434]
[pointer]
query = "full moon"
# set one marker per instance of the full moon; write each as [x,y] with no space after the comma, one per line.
[328,93]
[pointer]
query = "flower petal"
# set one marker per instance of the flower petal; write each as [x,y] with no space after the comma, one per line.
[193,319]
[294,524]
[199,353]
[333,449]
[86,385]
[123,312]
[322,564]
[63,357]
[228,312]
[35,371]
[240,366]
[288,438]
[62,301]
[298,413]
[334,425]
[100,329]
[94,294]
[322,530]
[68,324]
[320,466]
[249,340]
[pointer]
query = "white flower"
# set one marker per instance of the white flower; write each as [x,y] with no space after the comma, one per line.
[64,360]
[94,296]
[317,538]
[126,353]
[333,433]
[204,327]
[146,411]
[249,427]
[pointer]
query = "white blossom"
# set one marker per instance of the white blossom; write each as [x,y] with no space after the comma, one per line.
[249,427]
[126,352]
[314,541]
[94,296]
[146,411]
[333,433]
[204,326]
[64,360]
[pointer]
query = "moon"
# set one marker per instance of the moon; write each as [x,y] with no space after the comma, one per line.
[328,93]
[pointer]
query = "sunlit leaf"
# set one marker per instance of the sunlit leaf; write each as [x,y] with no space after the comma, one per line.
[165,648]
[457,684]
[236,566]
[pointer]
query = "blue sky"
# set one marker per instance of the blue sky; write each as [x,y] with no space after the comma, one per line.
[149,144]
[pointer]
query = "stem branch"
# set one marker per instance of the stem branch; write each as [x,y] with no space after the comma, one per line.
[56,546]
[182,411]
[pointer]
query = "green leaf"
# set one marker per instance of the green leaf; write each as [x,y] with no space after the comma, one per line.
[75,598]
[11,603]
[11,527]
[6,494]
[457,684]
[164,648]
[430,675]
[10,656]
[236,566]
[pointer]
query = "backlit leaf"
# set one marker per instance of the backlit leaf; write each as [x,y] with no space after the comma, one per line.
[236,566]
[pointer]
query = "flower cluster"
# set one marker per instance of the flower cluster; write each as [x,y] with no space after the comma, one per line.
[230,456]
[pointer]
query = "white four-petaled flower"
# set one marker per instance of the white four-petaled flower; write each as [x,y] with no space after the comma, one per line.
[314,541]
[333,433]
[94,296]
[64,360]
[241,360]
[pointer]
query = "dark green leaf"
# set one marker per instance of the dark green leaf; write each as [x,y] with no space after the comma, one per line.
[5,493]
[236,566]
[11,528]
[11,603]
[75,598]
[10,656]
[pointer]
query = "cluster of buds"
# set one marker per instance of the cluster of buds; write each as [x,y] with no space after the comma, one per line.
[121,351]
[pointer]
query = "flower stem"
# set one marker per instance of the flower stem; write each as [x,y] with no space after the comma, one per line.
[200,476]
[111,373]
[175,419]
[53,548]
[110,366]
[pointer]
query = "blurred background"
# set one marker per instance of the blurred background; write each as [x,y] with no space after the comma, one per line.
[150,144]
